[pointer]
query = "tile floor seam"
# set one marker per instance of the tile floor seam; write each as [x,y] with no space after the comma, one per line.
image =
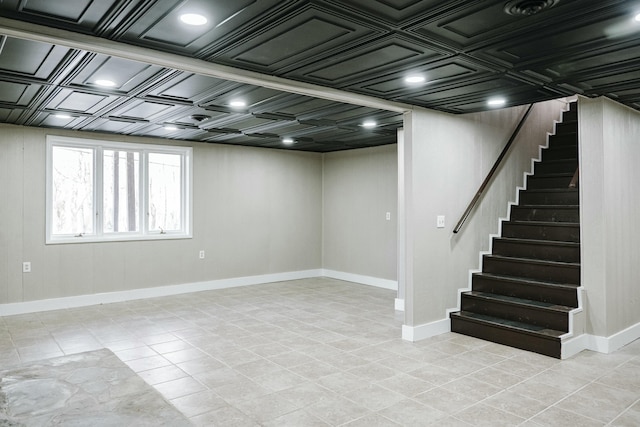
[627,409]
[555,404]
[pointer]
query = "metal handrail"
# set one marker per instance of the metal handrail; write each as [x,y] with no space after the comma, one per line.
[475,199]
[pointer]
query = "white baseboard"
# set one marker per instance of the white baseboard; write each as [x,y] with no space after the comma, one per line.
[624,337]
[426,330]
[161,291]
[399,304]
[600,344]
[364,280]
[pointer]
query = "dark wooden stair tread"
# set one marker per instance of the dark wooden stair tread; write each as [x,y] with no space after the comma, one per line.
[533,261]
[519,301]
[547,206]
[553,175]
[550,190]
[525,281]
[547,223]
[510,324]
[539,242]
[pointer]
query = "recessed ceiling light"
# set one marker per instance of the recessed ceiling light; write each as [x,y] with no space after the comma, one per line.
[637,18]
[238,104]
[62,116]
[369,124]
[414,79]
[170,127]
[193,19]
[287,141]
[105,83]
[496,102]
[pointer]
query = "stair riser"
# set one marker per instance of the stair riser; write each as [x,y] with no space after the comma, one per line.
[563,140]
[560,153]
[565,197]
[561,166]
[566,128]
[539,317]
[555,214]
[570,116]
[515,339]
[556,234]
[542,182]
[536,251]
[550,294]
[552,273]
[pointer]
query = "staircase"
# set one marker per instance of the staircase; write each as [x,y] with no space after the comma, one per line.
[528,284]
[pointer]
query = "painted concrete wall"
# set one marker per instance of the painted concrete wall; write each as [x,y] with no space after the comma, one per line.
[610,209]
[255,212]
[360,187]
[446,158]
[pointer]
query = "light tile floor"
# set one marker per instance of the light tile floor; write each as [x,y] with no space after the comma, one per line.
[323,352]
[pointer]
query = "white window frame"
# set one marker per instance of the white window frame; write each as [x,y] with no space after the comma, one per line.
[98,147]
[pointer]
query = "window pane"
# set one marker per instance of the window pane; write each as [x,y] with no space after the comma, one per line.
[165,188]
[72,186]
[121,179]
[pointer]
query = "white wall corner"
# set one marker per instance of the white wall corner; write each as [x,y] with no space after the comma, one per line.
[399,304]
[363,280]
[426,330]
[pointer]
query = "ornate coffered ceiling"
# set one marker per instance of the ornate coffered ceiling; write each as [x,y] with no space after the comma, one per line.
[467,52]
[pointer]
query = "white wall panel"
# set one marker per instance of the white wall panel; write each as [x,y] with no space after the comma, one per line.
[360,187]
[610,209]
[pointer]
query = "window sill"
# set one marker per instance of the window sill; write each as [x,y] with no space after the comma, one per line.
[125,238]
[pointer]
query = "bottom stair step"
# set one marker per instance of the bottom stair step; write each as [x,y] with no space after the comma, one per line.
[515,334]
[524,311]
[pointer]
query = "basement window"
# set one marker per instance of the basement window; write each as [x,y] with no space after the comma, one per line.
[109,191]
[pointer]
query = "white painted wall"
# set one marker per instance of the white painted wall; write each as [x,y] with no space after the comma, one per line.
[610,212]
[256,212]
[359,188]
[446,158]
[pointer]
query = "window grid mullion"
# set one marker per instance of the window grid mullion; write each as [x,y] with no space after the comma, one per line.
[144,202]
[98,186]
[184,191]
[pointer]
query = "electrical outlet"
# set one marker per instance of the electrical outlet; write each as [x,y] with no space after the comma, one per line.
[201,255]
[440,221]
[388,216]
[26,267]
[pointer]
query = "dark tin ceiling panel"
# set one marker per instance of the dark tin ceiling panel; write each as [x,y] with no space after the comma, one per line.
[468,52]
